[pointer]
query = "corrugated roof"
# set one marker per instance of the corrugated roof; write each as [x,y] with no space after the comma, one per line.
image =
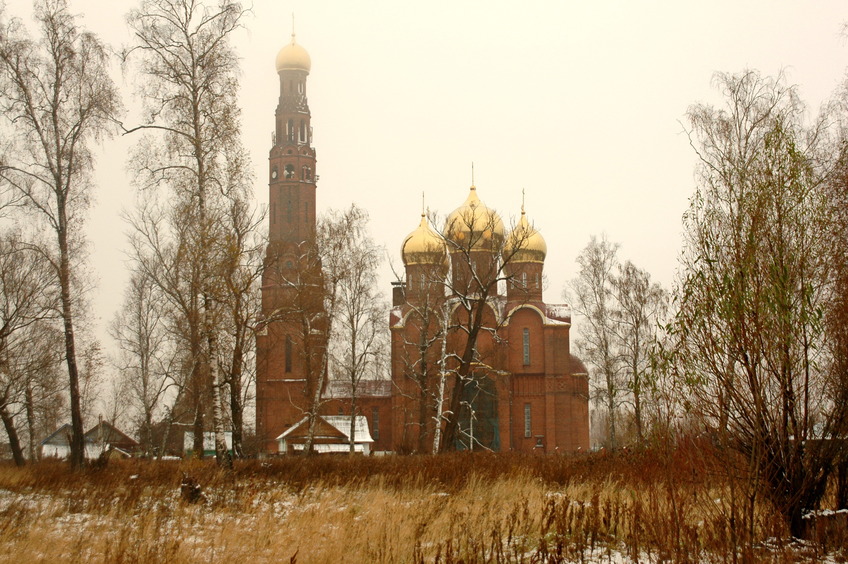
[340,389]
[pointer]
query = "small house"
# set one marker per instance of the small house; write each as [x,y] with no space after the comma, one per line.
[332,434]
[208,443]
[99,439]
[107,437]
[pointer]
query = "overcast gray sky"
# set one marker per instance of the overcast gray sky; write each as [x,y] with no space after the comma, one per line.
[578,103]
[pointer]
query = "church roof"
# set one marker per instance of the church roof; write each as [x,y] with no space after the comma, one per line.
[576,366]
[525,243]
[474,219]
[423,246]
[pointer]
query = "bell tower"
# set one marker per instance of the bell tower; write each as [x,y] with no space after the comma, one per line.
[289,343]
[292,160]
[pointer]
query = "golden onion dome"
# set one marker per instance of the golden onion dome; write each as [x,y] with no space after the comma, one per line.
[293,57]
[474,219]
[423,246]
[525,243]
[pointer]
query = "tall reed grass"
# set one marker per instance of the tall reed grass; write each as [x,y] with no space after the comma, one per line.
[646,506]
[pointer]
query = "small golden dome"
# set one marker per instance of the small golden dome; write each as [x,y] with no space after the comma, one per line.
[474,219]
[423,246]
[293,57]
[525,243]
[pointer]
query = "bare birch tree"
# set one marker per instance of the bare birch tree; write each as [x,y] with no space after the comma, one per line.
[594,301]
[58,100]
[358,342]
[182,50]
[481,256]
[420,353]
[241,274]
[147,354]
[641,307]
[27,300]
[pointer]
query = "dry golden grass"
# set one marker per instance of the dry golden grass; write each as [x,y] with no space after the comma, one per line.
[460,508]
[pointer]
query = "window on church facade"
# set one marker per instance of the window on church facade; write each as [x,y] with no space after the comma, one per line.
[526,343]
[528,432]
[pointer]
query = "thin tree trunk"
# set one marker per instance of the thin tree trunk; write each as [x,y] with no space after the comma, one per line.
[611,393]
[422,403]
[222,457]
[166,434]
[637,400]
[147,432]
[462,374]
[30,417]
[440,398]
[77,458]
[197,396]
[352,438]
[452,424]
[236,408]
[198,386]
[315,400]
[12,432]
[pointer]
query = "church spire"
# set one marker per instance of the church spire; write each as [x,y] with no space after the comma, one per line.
[292,158]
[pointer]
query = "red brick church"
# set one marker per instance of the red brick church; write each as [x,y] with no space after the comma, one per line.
[525,391]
